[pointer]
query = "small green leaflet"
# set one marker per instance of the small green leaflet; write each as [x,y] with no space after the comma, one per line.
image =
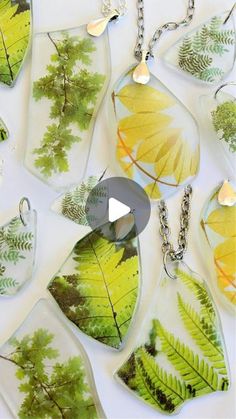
[99,295]
[4,134]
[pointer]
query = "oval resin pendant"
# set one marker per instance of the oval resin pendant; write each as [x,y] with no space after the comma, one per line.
[45,372]
[97,287]
[70,75]
[15,30]
[208,52]
[180,354]
[157,141]
[219,113]
[219,228]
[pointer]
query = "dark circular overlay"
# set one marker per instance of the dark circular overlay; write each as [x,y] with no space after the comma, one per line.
[129,193]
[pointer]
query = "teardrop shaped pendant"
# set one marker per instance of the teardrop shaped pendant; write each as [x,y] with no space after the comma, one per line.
[180,354]
[157,139]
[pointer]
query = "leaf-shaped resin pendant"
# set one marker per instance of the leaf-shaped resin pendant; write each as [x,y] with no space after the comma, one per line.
[97,288]
[70,75]
[15,21]
[45,371]
[17,252]
[180,355]
[157,142]
[219,113]
[219,228]
[4,134]
[208,52]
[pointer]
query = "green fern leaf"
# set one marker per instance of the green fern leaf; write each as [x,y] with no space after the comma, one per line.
[100,299]
[6,284]
[14,40]
[226,37]
[215,24]
[194,371]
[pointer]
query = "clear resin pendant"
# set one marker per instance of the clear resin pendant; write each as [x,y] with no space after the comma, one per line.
[219,228]
[180,353]
[208,52]
[17,253]
[15,29]
[45,371]
[97,288]
[70,74]
[157,142]
[219,113]
[4,134]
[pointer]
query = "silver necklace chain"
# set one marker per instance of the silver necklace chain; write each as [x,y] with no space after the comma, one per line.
[170,26]
[107,7]
[167,247]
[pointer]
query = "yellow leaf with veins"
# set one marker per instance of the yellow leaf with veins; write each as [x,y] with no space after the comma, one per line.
[158,145]
[153,190]
[223,221]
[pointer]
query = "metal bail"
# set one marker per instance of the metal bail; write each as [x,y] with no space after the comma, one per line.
[168,273]
[227,195]
[97,27]
[141,73]
[24,201]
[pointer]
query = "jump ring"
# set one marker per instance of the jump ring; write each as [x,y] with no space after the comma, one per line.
[22,203]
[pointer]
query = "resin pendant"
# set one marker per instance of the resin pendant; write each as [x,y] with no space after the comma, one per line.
[70,75]
[45,371]
[4,134]
[219,228]
[219,113]
[208,52]
[97,27]
[15,21]
[17,252]
[157,138]
[97,288]
[180,354]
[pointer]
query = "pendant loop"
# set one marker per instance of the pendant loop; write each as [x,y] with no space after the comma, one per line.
[141,73]
[230,83]
[230,13]
[165,257]
[24,201]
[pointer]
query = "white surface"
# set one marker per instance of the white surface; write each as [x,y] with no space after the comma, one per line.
[56,236]
[117,210]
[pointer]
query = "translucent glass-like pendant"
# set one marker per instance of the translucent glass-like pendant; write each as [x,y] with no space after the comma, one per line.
[45,371]
[219,231]
[180,353]
[208,52]
[17,252]
[70,75]
[157,140]
[97,288]
[219,113]
[15,27]
[4,134]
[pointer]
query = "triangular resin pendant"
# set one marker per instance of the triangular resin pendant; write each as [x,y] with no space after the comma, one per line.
[219,228]
[70,75]
[219,114]
[157,142]
[45,372]
[17,253]
[97,288]
[4,134]
[15,21]
[180,354]
[208,52]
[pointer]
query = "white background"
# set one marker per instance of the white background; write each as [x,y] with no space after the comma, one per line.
[56,236]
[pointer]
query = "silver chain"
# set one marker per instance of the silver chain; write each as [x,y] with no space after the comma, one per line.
[167,247]
[107,7]
[170,26]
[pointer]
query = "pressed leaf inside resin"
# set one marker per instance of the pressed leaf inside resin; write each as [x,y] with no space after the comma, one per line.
[157,139]
[219,227]
[97,287]
[180,354]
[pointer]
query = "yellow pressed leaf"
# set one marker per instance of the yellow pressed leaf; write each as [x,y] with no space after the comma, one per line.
[157,146]
[125,162]
[182,167]
[140,127]
[143,98]
[153,190]
[225,255]
[223,221]
[195,162]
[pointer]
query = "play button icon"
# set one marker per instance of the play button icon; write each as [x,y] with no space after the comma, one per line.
[117,208]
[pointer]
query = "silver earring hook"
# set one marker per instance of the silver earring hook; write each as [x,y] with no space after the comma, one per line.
[230,13]
[24,202]
[230,83]
[168,273]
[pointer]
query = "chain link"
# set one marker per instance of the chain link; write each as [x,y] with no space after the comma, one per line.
[170,26]
[167,247]
[107,7]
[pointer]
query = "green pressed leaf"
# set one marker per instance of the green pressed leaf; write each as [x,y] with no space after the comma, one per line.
[100,296]
[6,283]
[14,39]
[4,134]
[224,121]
